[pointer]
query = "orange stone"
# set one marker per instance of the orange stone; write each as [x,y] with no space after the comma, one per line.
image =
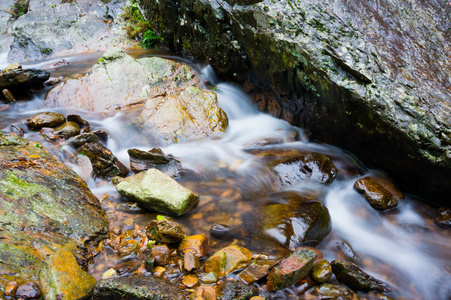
[198,244]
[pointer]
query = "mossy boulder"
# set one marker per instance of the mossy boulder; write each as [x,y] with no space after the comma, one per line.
[47,215]
[157,191]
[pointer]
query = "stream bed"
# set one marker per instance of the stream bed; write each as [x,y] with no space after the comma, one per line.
[402,247]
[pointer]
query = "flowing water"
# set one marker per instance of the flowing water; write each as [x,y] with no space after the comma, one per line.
[402,247]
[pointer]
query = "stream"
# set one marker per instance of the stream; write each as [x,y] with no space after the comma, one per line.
[402,247]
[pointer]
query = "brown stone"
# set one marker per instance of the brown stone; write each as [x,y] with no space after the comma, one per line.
[159,271]
[203,293]
[259,268]
[190,280]
[227,260]
[321,271]
[8,96]
[11,288]
[334,291]
[196,243]
[161,254]
[291,269]
[165,231]
[380,192]
[30,290]
[443,217]
[191,261]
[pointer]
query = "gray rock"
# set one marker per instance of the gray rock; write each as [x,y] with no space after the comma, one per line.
[370,77]
[136,288]
[54,29]
[237,291]
[157,191]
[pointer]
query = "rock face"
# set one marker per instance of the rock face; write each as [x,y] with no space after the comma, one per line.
[370,77]
[49,220]
[172,107]
[55,28]
[157,191]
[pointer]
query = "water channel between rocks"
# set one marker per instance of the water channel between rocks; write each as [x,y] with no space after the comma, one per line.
[403,247]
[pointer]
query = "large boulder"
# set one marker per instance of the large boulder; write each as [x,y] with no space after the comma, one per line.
[173,107]
[52,28]
[370,77]
[49,221]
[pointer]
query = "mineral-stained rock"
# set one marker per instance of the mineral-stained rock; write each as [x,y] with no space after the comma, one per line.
[380,192]
[198,244]
[321,271]
[154,159]
[203,293]
[296,221]
[357,74]
[165,231]
[227,260]
[334,291]
[137,288]
[48,216]
[237,291]
[258,269]
[157,191]
[46,119]
[291,269]
[351,275]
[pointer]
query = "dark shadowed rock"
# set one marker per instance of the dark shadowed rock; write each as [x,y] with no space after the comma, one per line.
[103,161]
[18,79]
[334,291]
[351,275]
[380,192]
[136,288]
[154,158]
[366,76]
[48,216]
[294,221]
[237,291]
[443,217]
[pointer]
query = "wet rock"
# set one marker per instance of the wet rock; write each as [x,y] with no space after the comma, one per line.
[319,168]
[176,121]
[154,159]
[258,269]
[443,217]
[161,254]
[222,232]
[209,278]
[45,119]
[19,79]
[333,70]
[159,271]
[157,191]
[198,244]
[11,288]
[294,222]
[227,260]
[104,163]
[13,66]
[110,273]
[136,288]
[321,271]
[203,293]
[291,269]
[30,290]
[190,261]
[351,275]
[334,291]
[149,264]
[81,139]
[67,129]
[8,96]
[77,119]
[165,231]
[190,280]
[237,291]
[51,214]
[379,192]
[66,276]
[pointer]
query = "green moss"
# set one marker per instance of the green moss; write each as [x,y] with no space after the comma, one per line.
[137,25]
[16,187]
